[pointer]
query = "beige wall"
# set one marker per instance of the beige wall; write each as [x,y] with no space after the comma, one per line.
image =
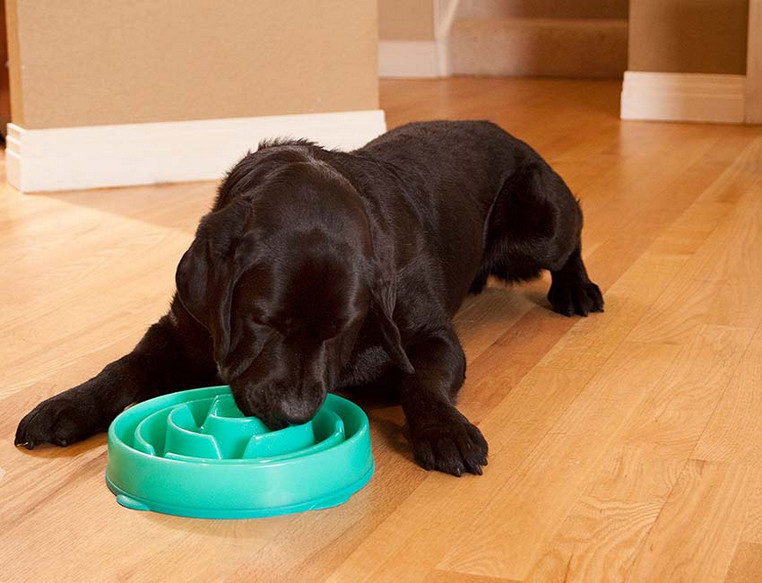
[406,19]
[688,36]
[94,62]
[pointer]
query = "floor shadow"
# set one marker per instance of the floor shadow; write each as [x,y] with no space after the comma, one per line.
[174,206]
[48,451]
[384,412]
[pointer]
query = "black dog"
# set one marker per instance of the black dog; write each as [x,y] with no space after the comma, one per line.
[321,270]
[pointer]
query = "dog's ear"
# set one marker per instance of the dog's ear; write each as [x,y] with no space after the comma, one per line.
[208,272]
[384,293]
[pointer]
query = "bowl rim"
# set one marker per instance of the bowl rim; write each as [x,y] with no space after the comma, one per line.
[213,391]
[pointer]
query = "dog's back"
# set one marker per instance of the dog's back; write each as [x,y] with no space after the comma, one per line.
[473,177]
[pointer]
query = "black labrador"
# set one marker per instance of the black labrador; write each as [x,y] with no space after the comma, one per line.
[321,270]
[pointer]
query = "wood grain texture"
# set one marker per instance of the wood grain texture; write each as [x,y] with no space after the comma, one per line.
[707,497]
[623,446]
[747,564]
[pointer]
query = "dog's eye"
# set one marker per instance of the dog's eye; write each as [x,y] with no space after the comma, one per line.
[255,324]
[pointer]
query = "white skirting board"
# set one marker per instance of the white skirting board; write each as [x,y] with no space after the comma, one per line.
[150,153]
[412,59]
[683,97]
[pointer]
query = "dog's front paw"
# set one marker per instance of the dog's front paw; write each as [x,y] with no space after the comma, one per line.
[575,297]
[58,421]
[452,445]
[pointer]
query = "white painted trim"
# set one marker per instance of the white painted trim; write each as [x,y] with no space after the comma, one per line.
[149,153]
[683,97]
[754,64]
[406,59]
[444,18]
[443,58]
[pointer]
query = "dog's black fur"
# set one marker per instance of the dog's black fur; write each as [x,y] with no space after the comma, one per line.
[321,270]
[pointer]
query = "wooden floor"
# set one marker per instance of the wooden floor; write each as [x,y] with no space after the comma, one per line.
[623,447]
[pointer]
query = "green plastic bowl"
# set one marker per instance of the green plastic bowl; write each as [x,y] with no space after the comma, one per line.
[193,453]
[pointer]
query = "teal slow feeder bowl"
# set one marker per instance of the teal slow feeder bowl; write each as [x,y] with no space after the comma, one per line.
[193,453]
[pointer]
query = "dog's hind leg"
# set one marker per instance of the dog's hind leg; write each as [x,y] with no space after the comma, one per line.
[535,224]
[174,354]
[571,291]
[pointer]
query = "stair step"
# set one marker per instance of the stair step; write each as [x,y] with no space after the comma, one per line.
[539,47]
[608,9]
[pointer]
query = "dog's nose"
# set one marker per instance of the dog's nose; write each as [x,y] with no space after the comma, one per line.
[298,419]
[295,414]
[297,411]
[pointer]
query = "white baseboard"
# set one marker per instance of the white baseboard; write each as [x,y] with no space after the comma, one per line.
[411,59]
[683,97]
[149,153]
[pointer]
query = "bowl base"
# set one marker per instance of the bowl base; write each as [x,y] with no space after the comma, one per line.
[335,499]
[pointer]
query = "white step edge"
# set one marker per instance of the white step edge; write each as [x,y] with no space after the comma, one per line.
[683,97]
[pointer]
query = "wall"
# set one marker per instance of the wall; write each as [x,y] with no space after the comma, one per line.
[94,62]
[406,20]
[688,36]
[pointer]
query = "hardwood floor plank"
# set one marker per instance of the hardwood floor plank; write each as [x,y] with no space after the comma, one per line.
[536,497]
[746,566]
[695,537]
[600,538]
[626,492]
[734,433]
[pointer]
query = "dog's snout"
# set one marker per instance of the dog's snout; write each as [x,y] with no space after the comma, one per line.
[277,406]
[296,412]
[280,418]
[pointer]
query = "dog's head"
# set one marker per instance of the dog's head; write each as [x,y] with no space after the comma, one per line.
[283,278]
